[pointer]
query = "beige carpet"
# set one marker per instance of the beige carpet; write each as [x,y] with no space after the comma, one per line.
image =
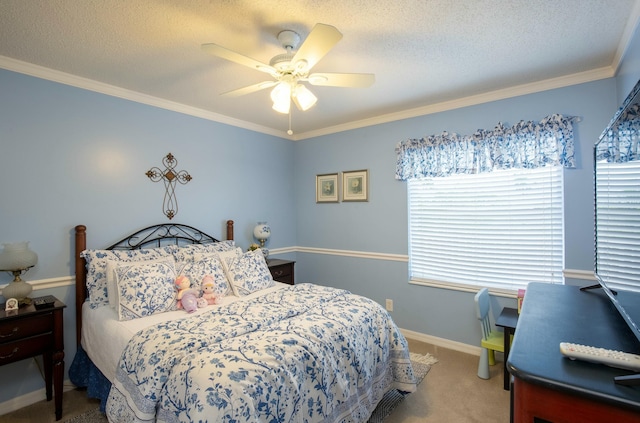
[421,365]
[451,393]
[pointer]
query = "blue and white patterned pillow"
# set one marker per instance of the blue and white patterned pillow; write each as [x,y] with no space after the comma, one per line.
[202,265]
[112,282]
[248,272]
[97,266]
[188,251]
[145,288]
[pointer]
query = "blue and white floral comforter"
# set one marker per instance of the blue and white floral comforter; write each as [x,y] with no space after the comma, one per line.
[301,354]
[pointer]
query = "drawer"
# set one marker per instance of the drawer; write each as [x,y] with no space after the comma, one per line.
[282,273]
[15,329]
[25,348]
[284,278]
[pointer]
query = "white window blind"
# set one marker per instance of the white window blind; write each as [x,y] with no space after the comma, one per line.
[501,230]
[618,222]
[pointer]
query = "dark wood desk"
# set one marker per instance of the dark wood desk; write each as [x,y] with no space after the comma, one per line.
[549,387]
[507,320]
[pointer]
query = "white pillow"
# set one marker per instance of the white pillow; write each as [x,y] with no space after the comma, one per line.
[97,266]
[248,272]
[145,288]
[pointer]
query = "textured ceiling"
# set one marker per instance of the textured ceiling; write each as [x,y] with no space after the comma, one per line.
[426,55]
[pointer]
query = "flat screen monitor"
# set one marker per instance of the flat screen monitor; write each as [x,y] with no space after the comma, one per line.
[617,210]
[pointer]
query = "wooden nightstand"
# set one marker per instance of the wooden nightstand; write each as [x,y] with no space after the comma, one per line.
[32,332]
[282,270]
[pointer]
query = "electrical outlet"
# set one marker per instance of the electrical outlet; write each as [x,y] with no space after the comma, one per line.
[389,305]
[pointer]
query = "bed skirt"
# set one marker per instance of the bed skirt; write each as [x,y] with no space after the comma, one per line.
[84,374]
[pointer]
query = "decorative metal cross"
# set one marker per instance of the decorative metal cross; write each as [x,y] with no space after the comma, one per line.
[169,176]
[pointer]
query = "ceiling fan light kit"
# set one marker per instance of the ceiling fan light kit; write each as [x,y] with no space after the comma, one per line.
[303,98]
[281,97]
[290,69]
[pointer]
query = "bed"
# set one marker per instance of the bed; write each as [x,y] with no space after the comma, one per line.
[261,352]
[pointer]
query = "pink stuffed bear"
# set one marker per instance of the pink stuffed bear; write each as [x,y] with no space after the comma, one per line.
[208,287]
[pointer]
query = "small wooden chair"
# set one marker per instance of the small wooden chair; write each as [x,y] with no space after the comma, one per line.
[492,339]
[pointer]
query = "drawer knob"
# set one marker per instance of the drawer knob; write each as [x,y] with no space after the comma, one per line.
[279,272]
[15,350]
[12,333]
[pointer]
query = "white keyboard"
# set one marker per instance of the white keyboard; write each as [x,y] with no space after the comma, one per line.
[612,358]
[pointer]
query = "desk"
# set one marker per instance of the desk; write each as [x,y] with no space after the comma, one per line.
[507,320]
[549,387]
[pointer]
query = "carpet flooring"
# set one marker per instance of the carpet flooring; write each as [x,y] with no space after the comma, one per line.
[421,365]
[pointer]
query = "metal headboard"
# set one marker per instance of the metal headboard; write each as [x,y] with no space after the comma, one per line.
[163,234]
[153,236]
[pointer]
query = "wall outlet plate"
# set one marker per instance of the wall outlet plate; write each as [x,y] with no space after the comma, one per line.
[389,304]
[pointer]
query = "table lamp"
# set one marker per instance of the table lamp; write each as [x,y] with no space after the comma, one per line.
[17,258]
[262,232]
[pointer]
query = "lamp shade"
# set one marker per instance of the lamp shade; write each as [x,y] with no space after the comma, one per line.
[281,96]
[262,231]
[303,98]
[17,256]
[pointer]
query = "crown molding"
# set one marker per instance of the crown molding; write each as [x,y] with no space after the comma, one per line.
[524,89]
[102,88]
[633,24]
[516,91]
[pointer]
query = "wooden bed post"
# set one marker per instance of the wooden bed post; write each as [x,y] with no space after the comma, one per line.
[81,271]
[230,230]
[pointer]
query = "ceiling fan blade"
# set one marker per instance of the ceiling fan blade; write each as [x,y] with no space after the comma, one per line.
[249,89]
[320,40]
[355,80]
[241,59]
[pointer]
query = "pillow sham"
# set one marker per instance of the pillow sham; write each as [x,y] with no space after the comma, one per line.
[145,288]
[112,281]
[248,272]
[97,266]
[187,252]
[202,265]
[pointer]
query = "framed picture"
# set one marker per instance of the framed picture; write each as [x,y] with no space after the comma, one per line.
[355,185]
[327,188]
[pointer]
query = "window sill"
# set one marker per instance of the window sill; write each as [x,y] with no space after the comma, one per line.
[499,292]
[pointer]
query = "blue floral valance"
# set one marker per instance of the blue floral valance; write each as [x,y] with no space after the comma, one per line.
[524,145]
[620,144]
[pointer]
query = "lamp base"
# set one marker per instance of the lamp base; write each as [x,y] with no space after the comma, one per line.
[19,290]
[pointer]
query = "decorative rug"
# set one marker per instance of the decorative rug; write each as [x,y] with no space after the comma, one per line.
[421,365]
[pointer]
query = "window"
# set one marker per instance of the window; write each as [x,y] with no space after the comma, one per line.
[501,229]
[618,231]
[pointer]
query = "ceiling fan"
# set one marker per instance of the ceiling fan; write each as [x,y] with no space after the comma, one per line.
[292,68]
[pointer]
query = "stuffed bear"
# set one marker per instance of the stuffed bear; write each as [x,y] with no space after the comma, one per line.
[202,302]
[208,288]
[189,301]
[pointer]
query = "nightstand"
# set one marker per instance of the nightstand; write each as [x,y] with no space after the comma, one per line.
[282,270]
[30,332]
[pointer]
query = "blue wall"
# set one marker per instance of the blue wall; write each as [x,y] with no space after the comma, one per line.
[71,156]
[381,224]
